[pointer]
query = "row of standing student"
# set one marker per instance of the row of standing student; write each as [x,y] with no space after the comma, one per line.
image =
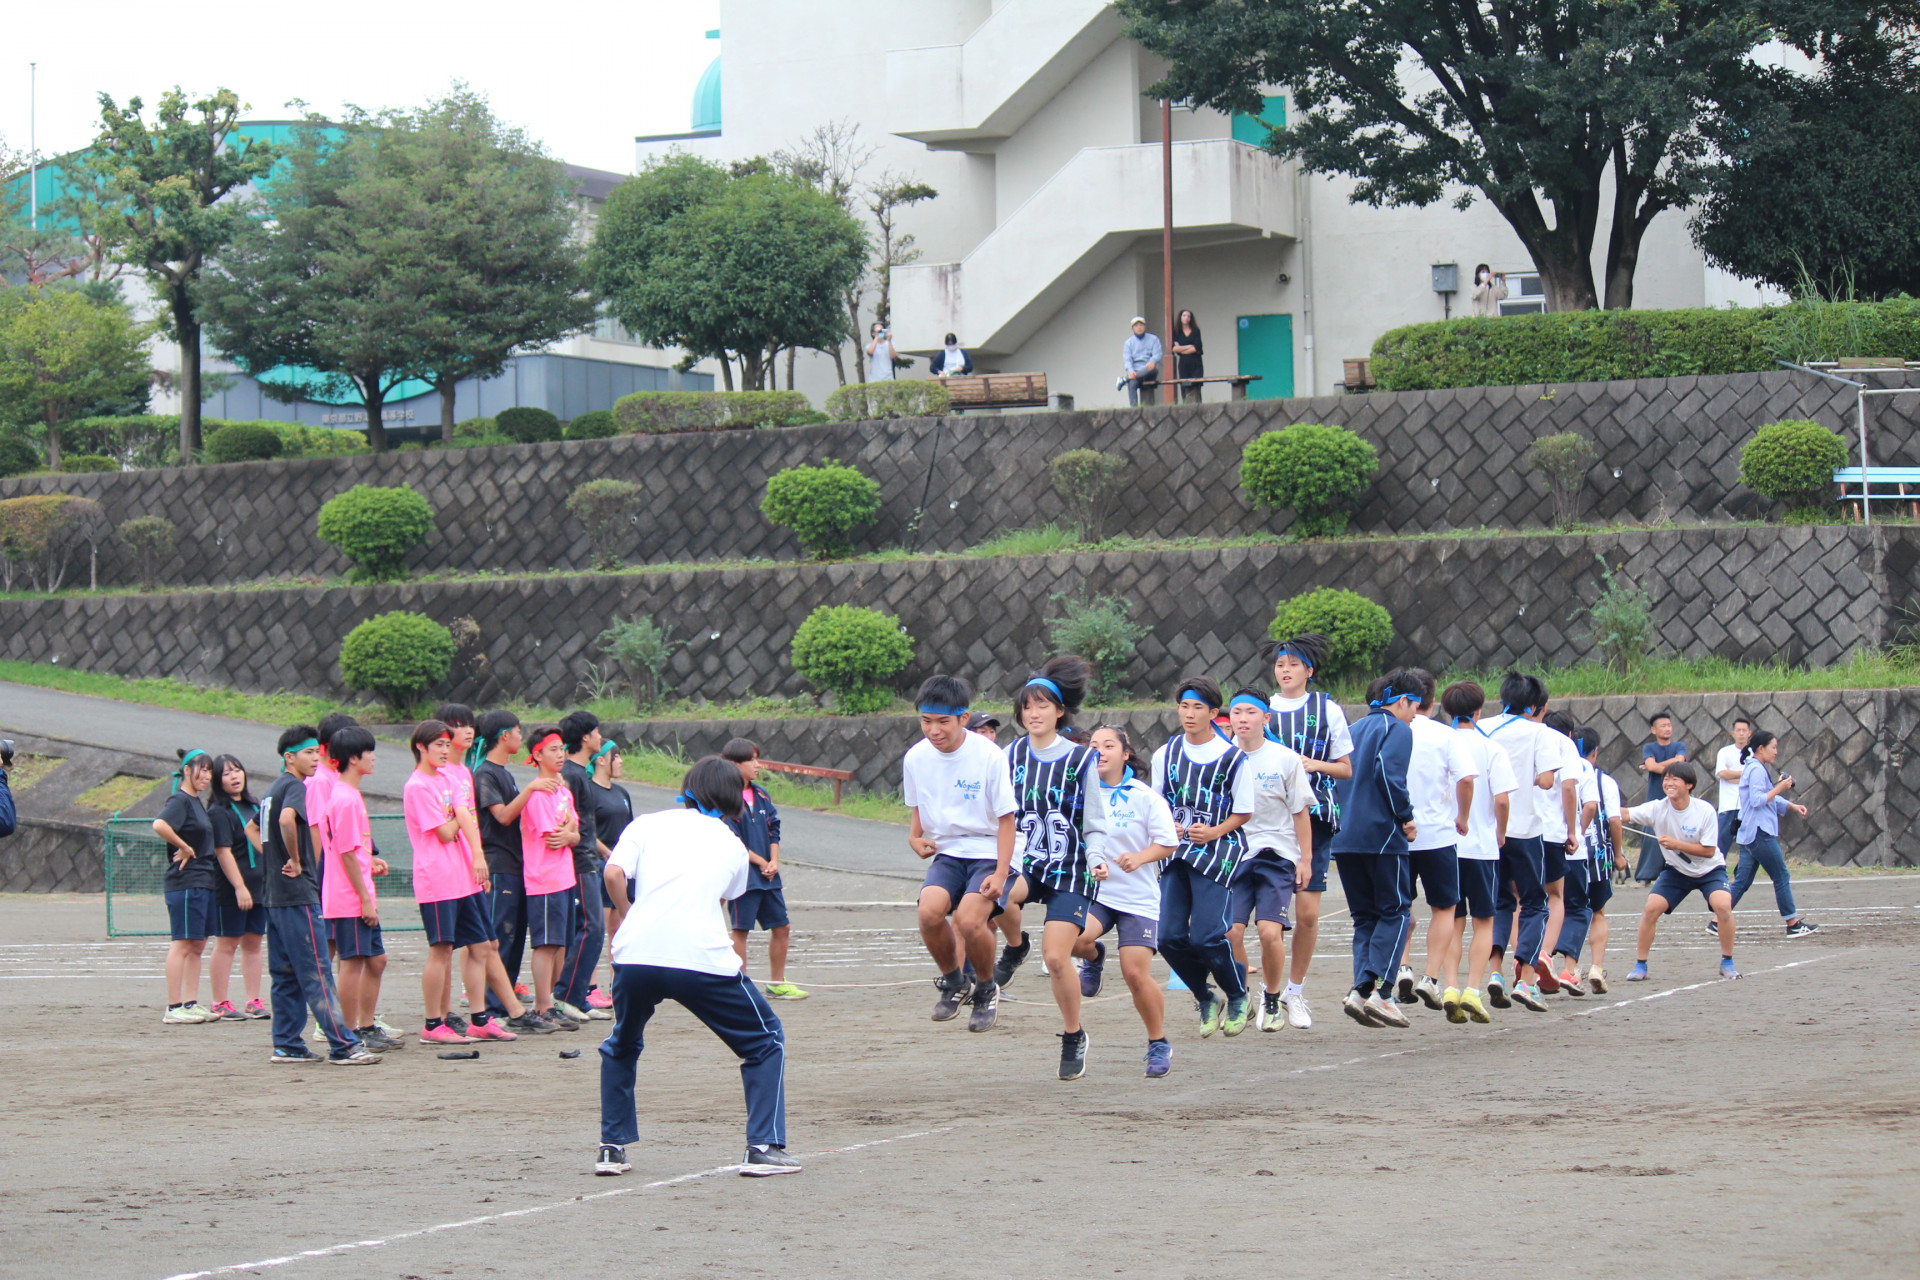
[1505,820]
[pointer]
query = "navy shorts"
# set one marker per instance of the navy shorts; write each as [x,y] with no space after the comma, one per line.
[1019,881]
[1133,930]
[550,919]
[1322,855]
[1674,886]
[1479,886]
[353,939]
[1600,885]
[460,921]
[229,921]
[1437,871]
[190,914]
[1553,860]
[1062,904]
[762,908]
[958,877]
[1263,887]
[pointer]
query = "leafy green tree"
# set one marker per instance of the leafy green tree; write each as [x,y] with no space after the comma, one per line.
[165,185]
[61,352]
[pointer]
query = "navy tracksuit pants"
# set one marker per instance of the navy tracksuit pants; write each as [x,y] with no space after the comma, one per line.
[1523,867]
[1379,891]
[731,1007]
[303,979]
[589,938]
[1194,915]
[509,903]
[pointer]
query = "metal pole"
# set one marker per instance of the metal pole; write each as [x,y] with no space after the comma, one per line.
[1866,476]
[1166,244]
[33,145]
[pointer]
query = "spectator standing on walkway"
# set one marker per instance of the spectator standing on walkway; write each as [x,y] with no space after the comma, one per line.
[1664,749]
[880,354]
[1728,764]
[1489,289]
[950,361]
[1139,363]
[1188,355]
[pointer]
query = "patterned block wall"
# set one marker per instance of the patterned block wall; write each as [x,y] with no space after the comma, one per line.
[1448,460]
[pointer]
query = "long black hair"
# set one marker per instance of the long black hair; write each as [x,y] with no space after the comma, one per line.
[1760,738]
[713,786]
[220,765]
[1061,680]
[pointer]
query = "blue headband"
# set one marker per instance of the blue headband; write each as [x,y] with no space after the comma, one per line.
[1048,685]
[1391,696]
[941,709]
[1196,695]
[686,797]
[1249,699]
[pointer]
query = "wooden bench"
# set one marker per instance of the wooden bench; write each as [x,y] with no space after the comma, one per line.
[1237,381]
[1882,484]
[1357,375]
[999,391]
[838,776]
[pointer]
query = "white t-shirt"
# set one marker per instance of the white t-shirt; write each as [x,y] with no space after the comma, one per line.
[1280,790]
[1339,737]
[1127,819]
[1435,767]
[679,865]
[961,795]
[1207,753]
[1729,794]
[1698,823]
[1496,779]
[1592,784]
[1558,748]
[1524,742]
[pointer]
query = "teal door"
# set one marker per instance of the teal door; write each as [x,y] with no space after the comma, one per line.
[1266,349]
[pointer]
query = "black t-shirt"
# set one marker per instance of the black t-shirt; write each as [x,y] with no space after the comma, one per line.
[586,858]
[612,811]
[493,784]
[230,832]
[288,794]
[1190,366]
[188,818]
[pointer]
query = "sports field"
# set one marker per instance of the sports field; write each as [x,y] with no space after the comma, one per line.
[1685,1127]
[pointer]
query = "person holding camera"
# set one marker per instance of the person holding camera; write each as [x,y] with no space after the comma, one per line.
[880,354]
[8,818]
[1489,290]
[1762,802]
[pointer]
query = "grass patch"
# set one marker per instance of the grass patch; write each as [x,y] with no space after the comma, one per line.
[270,708]
[28,770]
[116,793]
[1821,871]
[1879,670]
[1046,540]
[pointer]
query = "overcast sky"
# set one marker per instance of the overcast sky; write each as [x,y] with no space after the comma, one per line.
[583,77]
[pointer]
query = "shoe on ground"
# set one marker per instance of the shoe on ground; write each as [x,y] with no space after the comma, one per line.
[598,999]
[986,1007]
[1213,1009]
[223,1011]
[282,1058]
[313,1030]
[1801,928]
[1272,1017]
[358,1056]
[1404,984]
[1093,972]
[557,1020]
[200,1011]
[1727,970]
[1357,1008]
[258,1009]
[1527,996]
[1159,1059]
[522,992]
[391,1033]
[1011,958]
[1385,1011]
[1299,1012]
[1597,980]
[442,1034]
[459,1024]
[491,1029]
[1543,978]
[1471,1006]
[765,1164]
[1073,1054]
[1428,989]
[1569,979]
[378,1041]
[951,998]
[1638,973]
[612,1162]
[1450,1005]
[775,991]
[1234,1021]
[1713,928]
[182,1016]
[573,1011]
[1497,991]
[531,1024]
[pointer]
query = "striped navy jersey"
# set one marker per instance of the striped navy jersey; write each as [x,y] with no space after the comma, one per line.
[1203,794]
[1308,732]
[1052,794]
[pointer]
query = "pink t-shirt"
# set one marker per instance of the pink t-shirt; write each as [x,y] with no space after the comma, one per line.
[547,870]
[352,838]
[321,784]
[442,869]
[460,784]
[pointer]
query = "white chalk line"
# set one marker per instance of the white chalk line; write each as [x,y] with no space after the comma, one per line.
[1674,991]
[350,1246]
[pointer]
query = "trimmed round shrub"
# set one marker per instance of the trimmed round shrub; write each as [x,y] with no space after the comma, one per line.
[1318,471]
[1793,462]
[17,456]
[823,505]
[243,442]
[376,528]
[396,656]
[650,412]
[595,424]
[851,652]
[475,428]
[525,424]
[899,398]
[1359,630]
[609,509]
[79,463]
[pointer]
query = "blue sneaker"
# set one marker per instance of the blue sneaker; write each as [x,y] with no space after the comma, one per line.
[1159,1059]
[1727,970]
[1092,971]
[1639,973]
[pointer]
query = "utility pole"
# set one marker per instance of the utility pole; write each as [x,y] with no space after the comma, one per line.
[1166,247]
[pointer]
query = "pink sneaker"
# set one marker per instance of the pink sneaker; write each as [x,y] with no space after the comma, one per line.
[258,1009]
[443,1034]
[225,1012]
[598,999]
[489,1030]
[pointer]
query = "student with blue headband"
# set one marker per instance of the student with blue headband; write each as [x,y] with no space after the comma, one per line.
[1279,849]
[1442,777]
[765,901]
[1523,865]
[1370,849]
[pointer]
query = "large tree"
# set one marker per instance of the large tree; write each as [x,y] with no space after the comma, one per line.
[727,264]
[166,185]
[60,352]
[1547,108]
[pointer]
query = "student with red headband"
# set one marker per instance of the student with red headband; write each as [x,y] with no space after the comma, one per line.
[549,828]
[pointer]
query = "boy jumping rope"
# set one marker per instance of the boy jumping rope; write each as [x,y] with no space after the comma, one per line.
[1687,831]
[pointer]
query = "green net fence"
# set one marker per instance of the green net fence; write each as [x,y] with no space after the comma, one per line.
[136,867]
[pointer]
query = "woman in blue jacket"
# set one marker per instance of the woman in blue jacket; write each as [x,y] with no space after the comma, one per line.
[1762,801]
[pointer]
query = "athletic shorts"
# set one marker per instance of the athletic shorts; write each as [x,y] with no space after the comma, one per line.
[1132,930]
[461,921]
[958,877]
[1674,886]
[1322,856]
[1018,881]
[1600,885]
[190,914]
[551,919]
[1479,887]
[1553,860]
[1263,887]
[1062,904]
[229,921]
[354,939]
[1437,871]
[759,908]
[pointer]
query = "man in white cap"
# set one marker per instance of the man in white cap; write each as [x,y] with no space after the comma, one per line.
[1140,360]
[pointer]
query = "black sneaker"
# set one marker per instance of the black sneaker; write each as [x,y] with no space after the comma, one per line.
[986,1007]
[530,1024]
[557,1020]
[1011,958]
[951,998]
[379,1041]
[1801,928]
[765,1164]
[457,1023]
[282,1058]
[612,1162]
[1073,1054]
[1713,928]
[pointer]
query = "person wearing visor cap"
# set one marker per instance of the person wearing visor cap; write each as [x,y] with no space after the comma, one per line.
[1139,363]
[1370,849]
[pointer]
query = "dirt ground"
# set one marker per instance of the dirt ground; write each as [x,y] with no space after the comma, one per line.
[1685,1127]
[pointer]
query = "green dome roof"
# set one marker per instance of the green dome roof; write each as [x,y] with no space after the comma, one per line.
[706,100]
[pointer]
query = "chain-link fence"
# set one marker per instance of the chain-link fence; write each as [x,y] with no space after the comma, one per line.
[136,868]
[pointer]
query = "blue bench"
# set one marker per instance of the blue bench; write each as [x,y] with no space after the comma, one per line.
[1883,484]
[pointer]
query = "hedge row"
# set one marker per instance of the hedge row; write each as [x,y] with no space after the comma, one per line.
[1600,346]
[648,412]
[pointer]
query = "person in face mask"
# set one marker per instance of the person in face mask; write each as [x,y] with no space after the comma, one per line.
[951,361]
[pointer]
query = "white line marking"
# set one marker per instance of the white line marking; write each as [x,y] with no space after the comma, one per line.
[1674,991]
[348,1247]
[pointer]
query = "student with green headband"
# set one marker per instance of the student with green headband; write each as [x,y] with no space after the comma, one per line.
[190,885]
[581,737]
[612,812]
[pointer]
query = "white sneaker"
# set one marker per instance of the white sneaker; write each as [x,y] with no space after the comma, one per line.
[1299,1013]
[181,1017]
[201,1013]
[1385,1011]
[1360,1009]
[393,1033]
